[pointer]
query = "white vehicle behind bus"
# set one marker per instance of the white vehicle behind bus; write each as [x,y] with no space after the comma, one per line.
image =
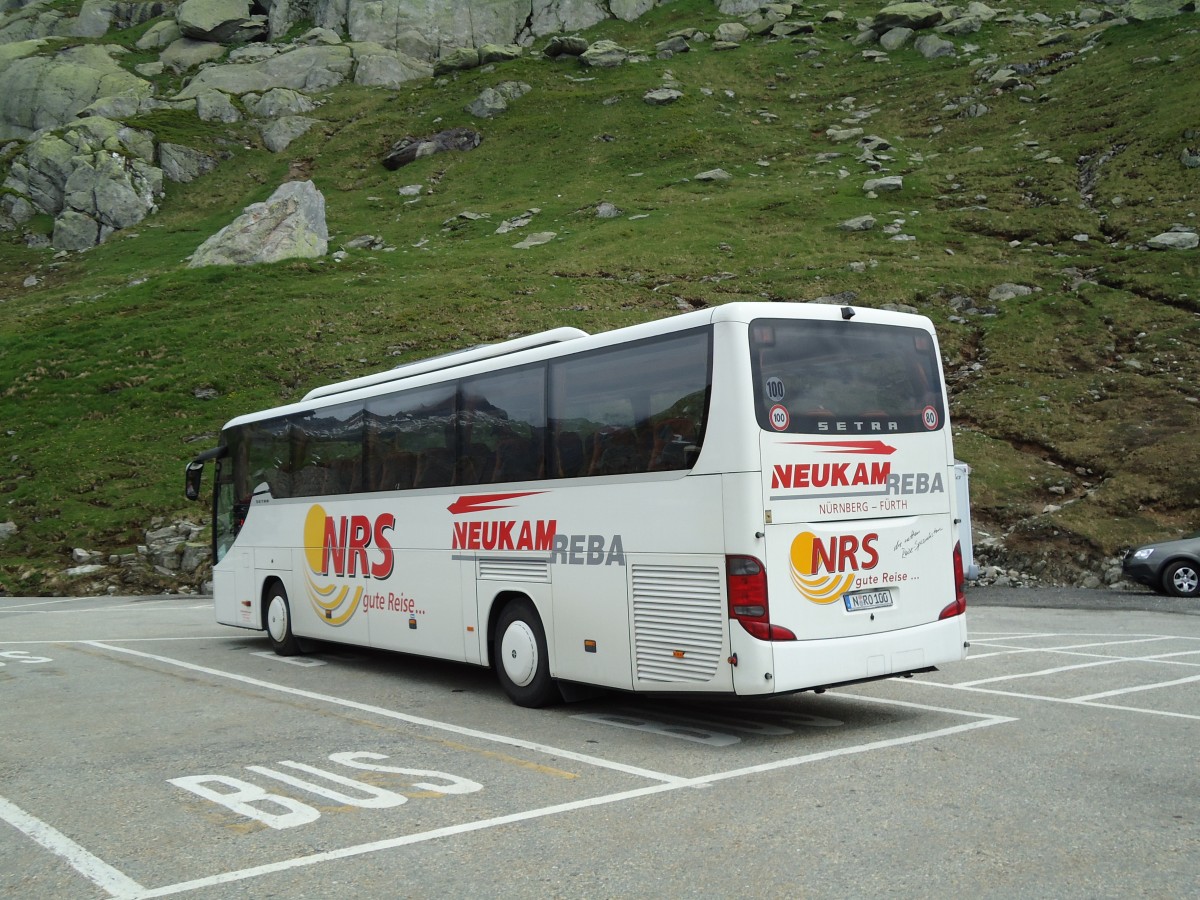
[753,499]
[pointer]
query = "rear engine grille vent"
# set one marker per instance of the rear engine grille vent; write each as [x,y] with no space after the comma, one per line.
[678,622]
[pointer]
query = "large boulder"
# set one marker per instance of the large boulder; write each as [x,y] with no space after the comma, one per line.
[302,69]
[907,15]
[221,21]
[39,92]
[183,164]
[290,224]
[188,53]
[376,65]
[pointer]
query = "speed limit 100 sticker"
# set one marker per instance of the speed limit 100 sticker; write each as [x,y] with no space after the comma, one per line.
[779,417]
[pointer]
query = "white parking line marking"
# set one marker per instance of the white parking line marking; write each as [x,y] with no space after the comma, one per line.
[1101,662]
[90,867]
[402,717]
[304,662]
[1067,700]
[1134,690]
[512,818]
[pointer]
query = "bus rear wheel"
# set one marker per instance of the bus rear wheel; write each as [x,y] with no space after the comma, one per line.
[519,655]
[279,623]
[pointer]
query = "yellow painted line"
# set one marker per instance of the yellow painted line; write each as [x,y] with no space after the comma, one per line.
[511,760]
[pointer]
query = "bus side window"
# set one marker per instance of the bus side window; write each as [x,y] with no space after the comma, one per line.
[569,455]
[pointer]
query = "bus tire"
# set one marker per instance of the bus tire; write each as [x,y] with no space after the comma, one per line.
[279,622]
[520,658]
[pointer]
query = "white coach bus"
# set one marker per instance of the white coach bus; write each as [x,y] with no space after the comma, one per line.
[752,499]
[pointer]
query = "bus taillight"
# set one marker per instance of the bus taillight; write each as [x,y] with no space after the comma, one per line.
[959,606]
[746,582]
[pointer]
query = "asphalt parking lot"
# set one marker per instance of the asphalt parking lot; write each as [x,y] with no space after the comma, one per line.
[146,751]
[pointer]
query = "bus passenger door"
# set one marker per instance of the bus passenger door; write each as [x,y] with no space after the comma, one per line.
[233,591]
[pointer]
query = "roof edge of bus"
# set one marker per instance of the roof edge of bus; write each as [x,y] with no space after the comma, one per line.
[451,360]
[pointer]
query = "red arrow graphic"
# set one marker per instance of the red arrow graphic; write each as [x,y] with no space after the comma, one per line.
[872,447]
[481,502]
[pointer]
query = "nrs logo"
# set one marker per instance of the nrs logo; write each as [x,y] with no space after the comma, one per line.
[344,547]
[825,568]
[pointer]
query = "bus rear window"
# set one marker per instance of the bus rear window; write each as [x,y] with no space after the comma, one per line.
[845,377]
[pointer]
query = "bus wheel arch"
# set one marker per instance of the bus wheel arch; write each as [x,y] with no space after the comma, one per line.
[277,618]
[519,654]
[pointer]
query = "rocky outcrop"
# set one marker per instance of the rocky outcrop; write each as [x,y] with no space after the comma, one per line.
[95,177]
[301,69]
[39,92]
[290,224]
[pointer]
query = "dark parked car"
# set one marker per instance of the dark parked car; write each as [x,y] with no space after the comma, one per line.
[1169,567]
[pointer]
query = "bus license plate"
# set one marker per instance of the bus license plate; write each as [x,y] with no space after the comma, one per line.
[867,600]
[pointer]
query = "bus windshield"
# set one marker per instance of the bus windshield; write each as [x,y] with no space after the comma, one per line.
[821,377]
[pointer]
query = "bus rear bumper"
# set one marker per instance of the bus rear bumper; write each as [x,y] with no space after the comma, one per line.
[801,665]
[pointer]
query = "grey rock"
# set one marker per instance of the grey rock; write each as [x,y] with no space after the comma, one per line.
[457,60]
[671,46]
[489,104]
[183,164]
[1009,291]
[907,15]
[278,102]
[215,106]
[278,134]
[220,21]
[288,225]
[963,25]
[606,210]
[159,35]
[116,192]
[604,55]
[895,38]
[39,92]
[536,239]
[1174,240]
[513,90]
[500,53]
[886,184]
[375,65]
[561,45]
[75,231]
[7,530]
[858,223]
[187,53]
[302,69]
[714,175]
[662,96]
[735,32]
[931,46]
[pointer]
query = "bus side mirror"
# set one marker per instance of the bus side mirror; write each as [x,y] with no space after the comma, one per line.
[191,479]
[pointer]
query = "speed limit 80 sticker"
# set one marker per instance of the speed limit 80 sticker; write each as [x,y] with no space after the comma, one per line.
[779,417]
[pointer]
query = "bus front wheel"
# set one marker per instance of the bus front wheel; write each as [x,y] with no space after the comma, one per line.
[519,654]
[279,623]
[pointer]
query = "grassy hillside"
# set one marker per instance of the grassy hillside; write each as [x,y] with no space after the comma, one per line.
[1079,397]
